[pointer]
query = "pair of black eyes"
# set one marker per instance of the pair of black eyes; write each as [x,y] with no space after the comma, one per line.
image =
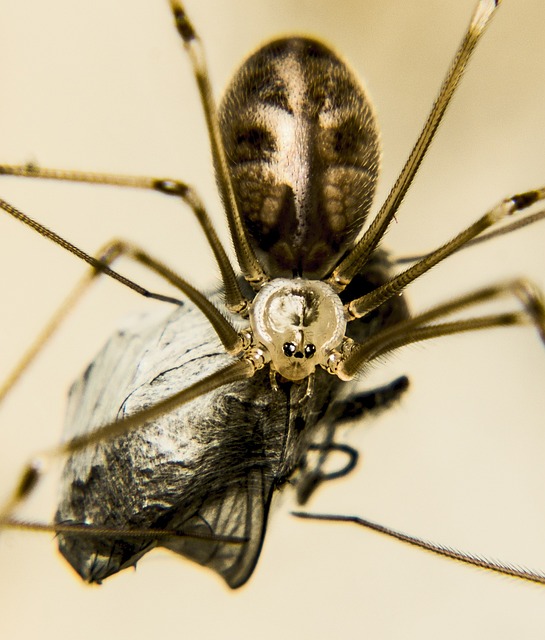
[291,350]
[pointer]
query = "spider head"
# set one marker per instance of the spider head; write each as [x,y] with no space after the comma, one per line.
[299,323]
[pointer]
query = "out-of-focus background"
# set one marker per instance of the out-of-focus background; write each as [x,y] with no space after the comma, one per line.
[106,87]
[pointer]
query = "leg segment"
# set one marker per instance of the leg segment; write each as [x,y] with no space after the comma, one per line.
[104,258]
[247,259]
[235,301]
[361,306]
[419,328]
[353,263]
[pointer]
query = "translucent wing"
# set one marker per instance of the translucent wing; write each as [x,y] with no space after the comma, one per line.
[208,467]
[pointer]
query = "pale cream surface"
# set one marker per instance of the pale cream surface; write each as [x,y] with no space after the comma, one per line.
[105,86]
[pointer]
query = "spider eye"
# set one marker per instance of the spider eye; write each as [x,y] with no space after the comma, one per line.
[310,350]
[288,348]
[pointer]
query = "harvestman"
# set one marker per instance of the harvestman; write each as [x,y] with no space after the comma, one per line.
[179,434]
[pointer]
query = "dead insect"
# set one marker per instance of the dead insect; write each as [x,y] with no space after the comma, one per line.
[179,433]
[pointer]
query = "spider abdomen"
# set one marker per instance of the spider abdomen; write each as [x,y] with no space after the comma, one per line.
[302,146]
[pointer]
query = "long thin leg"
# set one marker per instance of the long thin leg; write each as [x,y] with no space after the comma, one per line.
[234,299]
[451,328]
[484,237]
[68,246]
[106,256]
[247,259]
[35,469]
[419,328]
[447,552]
[352,264]
[226,332]
[361,306]
[127,532]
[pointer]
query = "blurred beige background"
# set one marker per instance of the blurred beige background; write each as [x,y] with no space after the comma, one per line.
[105,86]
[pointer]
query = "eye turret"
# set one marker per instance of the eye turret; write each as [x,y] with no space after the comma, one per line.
[298,322]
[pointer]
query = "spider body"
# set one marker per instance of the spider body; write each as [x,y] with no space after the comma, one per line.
[301,144]
[180,432]
[211,466]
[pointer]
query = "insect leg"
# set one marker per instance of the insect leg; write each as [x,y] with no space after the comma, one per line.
[234,299]
[351,265]
[354,407]
[247,259]
[358,405]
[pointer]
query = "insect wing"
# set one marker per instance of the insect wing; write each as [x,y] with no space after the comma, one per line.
[174,473]
[209,467]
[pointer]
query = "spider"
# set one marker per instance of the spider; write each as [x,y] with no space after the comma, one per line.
[295,148]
